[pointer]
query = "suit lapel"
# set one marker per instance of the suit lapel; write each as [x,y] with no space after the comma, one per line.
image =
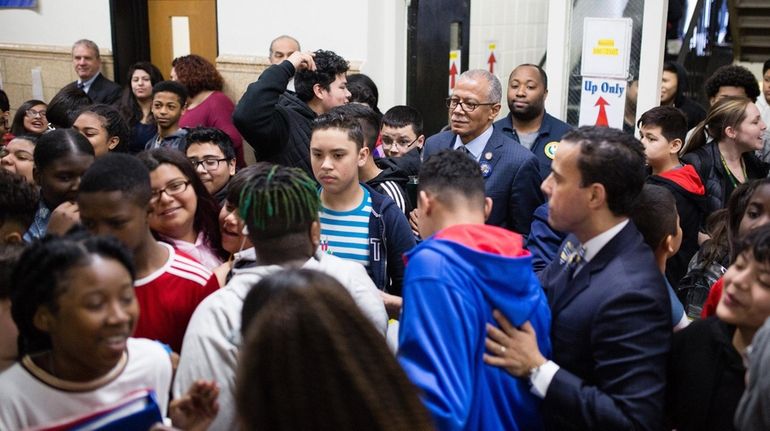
[492,147]
[572,288]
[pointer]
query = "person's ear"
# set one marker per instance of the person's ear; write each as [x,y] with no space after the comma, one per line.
[425,202]
[676,145]
[43,319]
[13,238]
[494,111]
[545,94]
[113,142]
[231,167]
[319,91]
[420,141]
[363,155]
[730,132]
[598,196]
[487,207]
[315,234]
[668,246]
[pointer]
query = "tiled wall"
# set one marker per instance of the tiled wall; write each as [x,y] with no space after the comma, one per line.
[519,28]
[17,62]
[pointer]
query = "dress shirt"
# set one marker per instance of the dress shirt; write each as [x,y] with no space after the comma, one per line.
[475,146]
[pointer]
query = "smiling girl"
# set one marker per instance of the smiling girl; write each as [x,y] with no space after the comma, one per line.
[31,118]
[136,103]
[736,131]
[183,212]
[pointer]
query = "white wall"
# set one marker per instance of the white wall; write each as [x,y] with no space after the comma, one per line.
[519,28]
[369,33]
[58,23]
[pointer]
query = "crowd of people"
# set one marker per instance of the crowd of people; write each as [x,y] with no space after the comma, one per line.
[510,273]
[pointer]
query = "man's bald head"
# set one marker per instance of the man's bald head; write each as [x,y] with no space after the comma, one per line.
[282,47]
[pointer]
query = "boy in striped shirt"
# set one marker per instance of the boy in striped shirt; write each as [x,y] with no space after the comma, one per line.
[357,223]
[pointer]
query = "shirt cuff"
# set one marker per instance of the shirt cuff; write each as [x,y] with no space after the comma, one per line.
[541,378]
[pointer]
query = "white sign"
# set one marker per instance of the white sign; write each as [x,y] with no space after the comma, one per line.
[606,47]
[455,60]
[602,102]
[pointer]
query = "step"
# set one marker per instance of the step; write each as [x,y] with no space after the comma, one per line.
[754,22]
[752,4]
[755,41]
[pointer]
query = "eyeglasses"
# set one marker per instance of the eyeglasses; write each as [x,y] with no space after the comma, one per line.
[388,142]
[452,102]
[172,189]
[208,164]
[31,113]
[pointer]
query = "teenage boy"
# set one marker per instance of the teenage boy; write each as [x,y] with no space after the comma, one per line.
[357,223]
[402,131]
[115,199]
[18,204]
[211,152]
[454,280]
[277,122]
[169,101]
[287,234]
[662,131]
[656,218]
[381,174]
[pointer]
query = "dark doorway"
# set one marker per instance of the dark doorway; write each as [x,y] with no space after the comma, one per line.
[130,35]
[434,27]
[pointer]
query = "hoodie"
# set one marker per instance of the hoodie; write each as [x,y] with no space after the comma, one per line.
[691,204]
[392,182]
[453,282]
[692,110]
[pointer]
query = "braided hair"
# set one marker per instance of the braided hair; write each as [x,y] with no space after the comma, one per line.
[310,357]
[278,200]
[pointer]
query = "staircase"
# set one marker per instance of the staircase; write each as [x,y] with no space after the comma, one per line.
[750,29]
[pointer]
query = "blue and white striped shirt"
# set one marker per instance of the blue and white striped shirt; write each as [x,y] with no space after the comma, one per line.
[345,234]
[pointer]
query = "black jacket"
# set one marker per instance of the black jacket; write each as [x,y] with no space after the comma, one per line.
[707,162]
[103,90]
[705,377]
[392,182]
[274,121]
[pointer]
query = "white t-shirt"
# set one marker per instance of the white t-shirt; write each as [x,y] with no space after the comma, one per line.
[213,337]
[29,396]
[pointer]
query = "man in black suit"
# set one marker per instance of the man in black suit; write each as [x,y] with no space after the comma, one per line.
[611,318]
[510,171]
[87,62]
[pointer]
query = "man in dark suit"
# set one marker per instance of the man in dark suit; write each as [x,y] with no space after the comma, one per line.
[611,318]
[87,63]
[511,176]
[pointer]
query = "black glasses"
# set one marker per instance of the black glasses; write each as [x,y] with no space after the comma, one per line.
[31,113]
[171,189]
[452,102]
[388,142]
[208,164]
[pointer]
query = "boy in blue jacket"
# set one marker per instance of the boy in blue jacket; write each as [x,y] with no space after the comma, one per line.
[357,223]
[454,280]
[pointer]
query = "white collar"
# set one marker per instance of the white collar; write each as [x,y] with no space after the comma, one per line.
[87,84]
[594,245]
[475,146]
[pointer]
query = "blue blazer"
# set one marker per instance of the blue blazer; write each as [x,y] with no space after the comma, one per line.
[610,334]
[513,183]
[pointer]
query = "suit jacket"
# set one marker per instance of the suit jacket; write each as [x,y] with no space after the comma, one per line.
[513,183]
[103,90]
[611,334]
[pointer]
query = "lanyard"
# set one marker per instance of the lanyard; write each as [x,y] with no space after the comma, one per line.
[730,175]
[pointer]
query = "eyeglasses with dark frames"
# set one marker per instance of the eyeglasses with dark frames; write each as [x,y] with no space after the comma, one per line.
[452,102]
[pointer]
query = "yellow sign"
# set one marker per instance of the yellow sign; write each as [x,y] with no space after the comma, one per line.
[606,47]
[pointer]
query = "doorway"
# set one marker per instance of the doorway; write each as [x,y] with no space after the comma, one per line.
[434,28]
[181,27]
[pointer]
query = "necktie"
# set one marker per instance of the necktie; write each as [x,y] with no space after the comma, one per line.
[465,151]
[572,255]
[81,86]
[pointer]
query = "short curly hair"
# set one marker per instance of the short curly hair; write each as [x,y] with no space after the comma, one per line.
[733,76]
[18,199]
[328,66]
[197,74]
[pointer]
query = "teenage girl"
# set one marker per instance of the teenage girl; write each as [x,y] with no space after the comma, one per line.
[183,212]
[31,118]
[61,156]
[104,128]
[18,156]
[75,309]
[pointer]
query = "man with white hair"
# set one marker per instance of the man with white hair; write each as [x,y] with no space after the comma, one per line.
[510,171]
[88,64]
